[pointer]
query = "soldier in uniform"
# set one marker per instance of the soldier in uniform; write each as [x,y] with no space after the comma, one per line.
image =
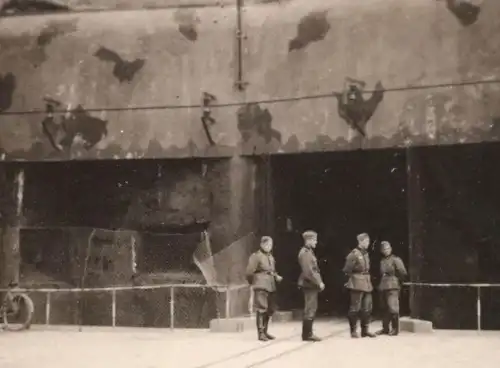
[261,274]
[357,268]
[392,271]
[310,282]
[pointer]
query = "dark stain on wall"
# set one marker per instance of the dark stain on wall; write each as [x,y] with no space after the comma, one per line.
[187,21]
[188,31]
[7,88]
[353,108]
[22,46]
[123,70]
[206,119]
[50,32]
[14,7]
[54,29]
[311,28]
[64,130]
[253,121]
[466,12]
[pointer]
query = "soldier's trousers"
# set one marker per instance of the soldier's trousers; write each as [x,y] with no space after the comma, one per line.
[389,301]
[264,302]
[360,301]
[310,303]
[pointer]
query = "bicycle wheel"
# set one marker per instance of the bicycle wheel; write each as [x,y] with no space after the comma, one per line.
[20,318]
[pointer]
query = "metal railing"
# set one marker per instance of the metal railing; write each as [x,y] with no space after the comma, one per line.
[226,289]
[477,286]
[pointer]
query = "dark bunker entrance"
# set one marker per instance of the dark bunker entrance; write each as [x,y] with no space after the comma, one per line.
[339,195]
[439,206]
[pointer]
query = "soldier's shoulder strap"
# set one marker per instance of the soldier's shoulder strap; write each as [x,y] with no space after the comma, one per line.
[356,252]
[398,259]
[304,251]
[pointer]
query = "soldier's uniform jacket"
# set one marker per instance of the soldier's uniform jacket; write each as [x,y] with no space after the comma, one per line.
[261,271]
[357,268]
[392,270]
[309,278]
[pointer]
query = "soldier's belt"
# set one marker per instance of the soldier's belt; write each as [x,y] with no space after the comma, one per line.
[361,273]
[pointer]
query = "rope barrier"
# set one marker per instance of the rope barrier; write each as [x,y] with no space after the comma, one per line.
[124,288]
[474,285]
[477,286]
[113,289]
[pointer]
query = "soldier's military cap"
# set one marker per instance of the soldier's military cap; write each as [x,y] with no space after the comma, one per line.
[265,240]
[309,234]
[362,236]
[385,243]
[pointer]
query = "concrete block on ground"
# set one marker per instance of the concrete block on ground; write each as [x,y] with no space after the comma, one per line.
[415,325]
[238,324]
[282,316]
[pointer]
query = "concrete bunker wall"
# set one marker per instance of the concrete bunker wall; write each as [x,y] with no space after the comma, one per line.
[427,55]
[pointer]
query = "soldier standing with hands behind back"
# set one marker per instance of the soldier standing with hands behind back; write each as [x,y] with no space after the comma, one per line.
[261,274]
[357,268]
[392,270]
[310,282]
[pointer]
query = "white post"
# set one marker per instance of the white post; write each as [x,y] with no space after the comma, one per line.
[172,307]
[113,308]
[478,308]
[47,309]
[228,301]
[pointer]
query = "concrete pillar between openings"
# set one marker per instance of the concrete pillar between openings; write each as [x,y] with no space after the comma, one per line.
[12,218]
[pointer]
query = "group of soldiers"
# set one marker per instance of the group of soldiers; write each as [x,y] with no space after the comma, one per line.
[262,275]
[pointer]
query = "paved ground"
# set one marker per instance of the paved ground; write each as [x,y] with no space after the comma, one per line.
[64,347]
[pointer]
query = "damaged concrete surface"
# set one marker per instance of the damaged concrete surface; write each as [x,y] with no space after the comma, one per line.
[92,66]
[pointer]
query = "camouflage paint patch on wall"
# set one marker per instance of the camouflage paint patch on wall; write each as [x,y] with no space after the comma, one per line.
[311,28]
[123,70]
[466,11]
[76,126]
[7,88]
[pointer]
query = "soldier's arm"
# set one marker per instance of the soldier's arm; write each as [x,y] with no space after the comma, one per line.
[306,263]
[275,272]
[400,268]
[350,262]
[251,267]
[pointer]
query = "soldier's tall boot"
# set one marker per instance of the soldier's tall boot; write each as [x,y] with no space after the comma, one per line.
[386,320]
[307,331]
[365,325]
[353,324]
[395,325]
[266,319]
[312,336]
[259,318]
